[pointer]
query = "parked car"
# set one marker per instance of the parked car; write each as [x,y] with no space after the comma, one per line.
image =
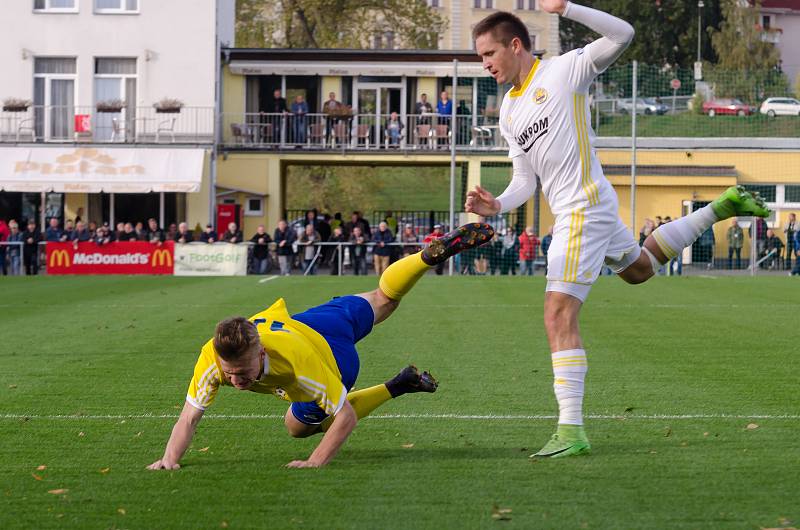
[780,107]
[727,106]
[643,106]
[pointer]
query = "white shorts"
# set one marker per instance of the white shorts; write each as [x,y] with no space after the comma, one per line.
[583,240]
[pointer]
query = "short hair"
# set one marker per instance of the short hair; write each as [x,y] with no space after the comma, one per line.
[504,27]
[234,337]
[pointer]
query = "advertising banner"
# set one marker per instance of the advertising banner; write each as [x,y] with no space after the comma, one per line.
[218,259]
[123,257]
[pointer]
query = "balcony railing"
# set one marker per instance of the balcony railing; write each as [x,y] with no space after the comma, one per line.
[87,124]
[429,132]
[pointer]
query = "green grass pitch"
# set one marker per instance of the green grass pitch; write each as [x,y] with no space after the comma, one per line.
[692,389]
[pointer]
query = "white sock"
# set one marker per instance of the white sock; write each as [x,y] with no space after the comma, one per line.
[569,371]
[673,237]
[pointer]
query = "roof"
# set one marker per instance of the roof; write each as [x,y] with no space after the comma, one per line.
[350,55]
[792,5]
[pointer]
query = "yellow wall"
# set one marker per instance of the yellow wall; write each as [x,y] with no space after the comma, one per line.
[255,175]
[75,202]
[233,101]
[427,85]
[330,84]
[197,204]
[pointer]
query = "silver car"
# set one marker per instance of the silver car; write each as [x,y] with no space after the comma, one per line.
[780,107]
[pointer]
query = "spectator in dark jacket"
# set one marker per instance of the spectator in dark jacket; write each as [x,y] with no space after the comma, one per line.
[154,233]
[232,234]
[208,235]
[128,233]
[261,242]
[30,248]
[183,235]
[337,255]
[382,251]
[284,238]
[80,234]
[53,232]
[358,251]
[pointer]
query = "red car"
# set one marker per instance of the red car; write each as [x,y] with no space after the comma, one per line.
[727,106]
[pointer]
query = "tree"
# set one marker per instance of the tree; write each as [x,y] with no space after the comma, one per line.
[337,23]
[666,30]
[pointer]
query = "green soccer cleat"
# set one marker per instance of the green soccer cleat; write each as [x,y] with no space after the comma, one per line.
[736,201]
[567,441]
[464,237]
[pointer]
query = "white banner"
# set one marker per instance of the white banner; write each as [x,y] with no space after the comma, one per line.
[218,259]
[96,169]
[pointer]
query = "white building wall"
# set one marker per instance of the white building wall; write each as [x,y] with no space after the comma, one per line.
[789,44]
[172,40]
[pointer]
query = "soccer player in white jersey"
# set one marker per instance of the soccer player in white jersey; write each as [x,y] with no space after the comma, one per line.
[545,120]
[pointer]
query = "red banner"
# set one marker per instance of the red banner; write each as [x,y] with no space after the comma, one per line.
[123,257]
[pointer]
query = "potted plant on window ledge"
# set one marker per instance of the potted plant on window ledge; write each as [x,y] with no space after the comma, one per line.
[110,106]
[168,105]
[16,105]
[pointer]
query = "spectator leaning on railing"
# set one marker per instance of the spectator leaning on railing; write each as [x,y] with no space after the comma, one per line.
[232,234]
[69,229]
[408,236]
[154,233]
[308,240]
[208,235]
[337,256]
[80,234]
[261,241]
[382,250]
[128,233]
[4,232]
[13,253]
[183,235]
[284,238]
[53,232]
[358,251]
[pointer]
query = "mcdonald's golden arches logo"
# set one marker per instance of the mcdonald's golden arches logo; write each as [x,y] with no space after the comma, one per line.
[59,258]
[160,258]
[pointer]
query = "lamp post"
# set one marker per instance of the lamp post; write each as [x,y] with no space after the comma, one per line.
[700,6]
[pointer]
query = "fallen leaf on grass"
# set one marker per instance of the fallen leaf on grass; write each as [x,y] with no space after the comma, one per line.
[81,434]
[223,524]
[138,434]
[59,491]
[203,450]
[407,446]
[501,514]
[41,468]
[667,432]
[783,521]
[705,434]
[59,516]
[121,511]
[628,409]
[751,426]
[37,477]
[105,470]
[12,386]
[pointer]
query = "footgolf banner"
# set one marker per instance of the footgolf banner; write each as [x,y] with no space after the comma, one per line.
[218,259]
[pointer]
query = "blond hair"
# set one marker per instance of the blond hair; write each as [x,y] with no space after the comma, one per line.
[234,337]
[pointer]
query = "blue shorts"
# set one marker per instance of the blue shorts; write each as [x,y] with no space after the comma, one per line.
[342,322]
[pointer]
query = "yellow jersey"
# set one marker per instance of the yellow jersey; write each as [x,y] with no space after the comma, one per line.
[299,365]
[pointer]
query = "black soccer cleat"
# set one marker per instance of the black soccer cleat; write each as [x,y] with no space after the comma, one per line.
[463,238]
[410,380]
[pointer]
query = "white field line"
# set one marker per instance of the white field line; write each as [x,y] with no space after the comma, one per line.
[410,306]
[267,279]
[466,417]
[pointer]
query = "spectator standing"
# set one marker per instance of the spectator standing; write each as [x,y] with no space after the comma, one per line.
[337,254]
[4,233]
[546,241]
[408,236]
[299,112]
[735,239]
[208,235]
[309,240]
[183,235]
[261,241]
[646,230]
[424,109]
[128,233]
[444,108]
[101,237]
[278,107]
[119,231]
[154,234]
[356,221]
[284,239]
[382,251]
[80,234]
[171,231]
[760,235]
[774,250]
[436,234]
[141,234]
[528,244]
[69,228]
[791,231]
[510,252]
[14,252]
[358,251]
[232,234]
[337,221]
[53,232]
[330,108]
[796,269]
[30,249]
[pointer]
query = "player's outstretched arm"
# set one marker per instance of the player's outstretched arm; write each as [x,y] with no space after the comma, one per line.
[343,424]
[179,440]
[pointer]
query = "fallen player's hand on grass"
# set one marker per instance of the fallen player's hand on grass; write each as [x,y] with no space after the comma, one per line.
[163,464]
[302,463]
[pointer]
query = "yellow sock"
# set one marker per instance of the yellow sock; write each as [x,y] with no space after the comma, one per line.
[364,402]
[401,276]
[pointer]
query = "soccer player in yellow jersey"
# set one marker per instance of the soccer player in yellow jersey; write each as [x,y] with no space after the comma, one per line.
[545,120]
[310,358]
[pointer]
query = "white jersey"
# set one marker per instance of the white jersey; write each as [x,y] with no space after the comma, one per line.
[547,121]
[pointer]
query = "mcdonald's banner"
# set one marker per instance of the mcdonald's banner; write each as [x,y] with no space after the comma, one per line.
[123,257]
[202,259]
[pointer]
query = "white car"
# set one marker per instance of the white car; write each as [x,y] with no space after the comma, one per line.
[780,107]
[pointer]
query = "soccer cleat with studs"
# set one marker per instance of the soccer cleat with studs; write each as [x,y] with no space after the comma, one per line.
[737,201]
[464,237]
[410,380]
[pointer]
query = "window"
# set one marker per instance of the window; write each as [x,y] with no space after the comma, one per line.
[766,22]
[254,206]
[483,4]
[115,80]
[792,194]
[116,6]
[768,192]
[530,5]
[54,97]
[56,6]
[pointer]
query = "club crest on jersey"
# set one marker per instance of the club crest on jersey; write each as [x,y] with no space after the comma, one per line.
[540,96]
[528,136]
